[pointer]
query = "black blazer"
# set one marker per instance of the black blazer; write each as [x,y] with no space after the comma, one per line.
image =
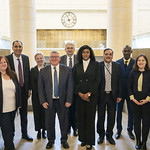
[34,84]
[17,93]
[86,81]
[64,59]
[26,70]
[116,81]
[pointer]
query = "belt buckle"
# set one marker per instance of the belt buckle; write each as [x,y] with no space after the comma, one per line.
[107,92]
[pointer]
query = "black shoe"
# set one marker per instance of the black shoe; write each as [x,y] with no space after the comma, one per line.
[65,145]
[100,140]
[43,134]
[49,145]
[28,138]
[75,133]
[110,140]
[39,135]
[83,144]
[138,144]
[143,146]
[117,136]
[88,147]
[131,135]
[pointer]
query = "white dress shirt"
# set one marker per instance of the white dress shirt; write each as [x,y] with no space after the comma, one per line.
[68,60]
[52,70]
[85,64]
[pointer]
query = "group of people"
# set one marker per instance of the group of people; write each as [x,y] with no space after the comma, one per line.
[74,87]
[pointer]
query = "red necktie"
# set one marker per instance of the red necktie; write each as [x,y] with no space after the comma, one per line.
[20,73]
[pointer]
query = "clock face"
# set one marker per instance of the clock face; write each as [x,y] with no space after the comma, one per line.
[68,19]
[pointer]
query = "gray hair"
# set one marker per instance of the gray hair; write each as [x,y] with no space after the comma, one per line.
[54,52]
[69,42]
[38,53]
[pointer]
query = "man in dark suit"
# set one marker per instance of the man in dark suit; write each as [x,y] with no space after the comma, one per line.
[70,59]
[109,94]
[126,64]
[20,64]
[55,85]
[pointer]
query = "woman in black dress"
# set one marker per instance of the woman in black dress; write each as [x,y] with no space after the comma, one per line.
[139,92]
[38,110]
[86,75]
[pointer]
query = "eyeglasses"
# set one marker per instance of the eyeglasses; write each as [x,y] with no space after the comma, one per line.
[69,47]
[54,57]
[108,54]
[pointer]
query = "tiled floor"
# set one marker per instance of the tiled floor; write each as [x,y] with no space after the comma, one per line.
[124,143]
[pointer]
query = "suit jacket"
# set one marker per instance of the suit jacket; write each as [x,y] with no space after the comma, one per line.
[64,59]
[125,73]
[116,81]
[17,93]
[65,85]
[26,70]
[86,81]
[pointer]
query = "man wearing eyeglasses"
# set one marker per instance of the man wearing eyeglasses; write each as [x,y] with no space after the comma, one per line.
[55,85]
[109,95]
[70,59]
[126,64]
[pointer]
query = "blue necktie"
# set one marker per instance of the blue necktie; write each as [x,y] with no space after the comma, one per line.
[70,62]
[55,83]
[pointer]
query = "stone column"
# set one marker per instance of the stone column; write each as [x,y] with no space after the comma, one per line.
[119,30]
[23,25]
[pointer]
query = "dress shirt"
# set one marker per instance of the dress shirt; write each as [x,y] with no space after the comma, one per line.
[16,66]
[85,64]
[52,70]
[128,61]
[110,69]
[68,60]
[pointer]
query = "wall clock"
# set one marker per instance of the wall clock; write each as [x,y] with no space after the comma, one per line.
[68,19]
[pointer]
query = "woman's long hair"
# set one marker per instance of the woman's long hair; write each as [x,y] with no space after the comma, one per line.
[9,72]
[79,54]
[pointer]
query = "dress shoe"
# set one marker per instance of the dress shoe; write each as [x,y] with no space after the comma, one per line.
[49,145]
[131,135]
[65,145]
[138,144]
[88,147]
[117,136]
[75,133]
[100,140]
[28,138]
[143,146]
[43,134]
[83,144]
[39,135]
[110,140]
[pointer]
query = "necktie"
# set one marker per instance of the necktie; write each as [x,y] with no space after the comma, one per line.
[70,62]
[20,73]
[126,62]
[55,83]
[108,78]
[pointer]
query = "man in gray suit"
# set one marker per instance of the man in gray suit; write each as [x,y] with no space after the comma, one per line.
[55,85]
[70,59]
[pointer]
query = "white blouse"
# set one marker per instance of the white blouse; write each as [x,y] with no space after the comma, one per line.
[8,87]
